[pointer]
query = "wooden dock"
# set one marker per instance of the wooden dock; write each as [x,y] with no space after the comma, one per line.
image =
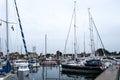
[112,73]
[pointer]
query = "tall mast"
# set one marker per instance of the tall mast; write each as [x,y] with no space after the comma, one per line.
[45,44]
[91,35]
[75,51]
[84,44]
[7,37]
[92,21]
[46,52]
[21,30]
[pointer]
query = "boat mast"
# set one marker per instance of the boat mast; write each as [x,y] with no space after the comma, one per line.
[21,30]
[91,35]
[46,52]
[75,51]
[98,35]
[84,44]
[68,32]
[45,44]
[7,37]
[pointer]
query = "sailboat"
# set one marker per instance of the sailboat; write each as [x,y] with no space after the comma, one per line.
[48,61]
[85,66]
[23,71]
[5,72]
[7,67]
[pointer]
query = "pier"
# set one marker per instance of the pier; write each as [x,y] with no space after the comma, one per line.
[112,73]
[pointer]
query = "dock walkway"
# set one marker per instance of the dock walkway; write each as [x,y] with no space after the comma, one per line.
[112,73]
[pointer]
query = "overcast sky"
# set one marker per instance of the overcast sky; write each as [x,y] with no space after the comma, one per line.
[53,17]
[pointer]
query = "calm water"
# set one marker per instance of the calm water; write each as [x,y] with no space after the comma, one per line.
[55,73]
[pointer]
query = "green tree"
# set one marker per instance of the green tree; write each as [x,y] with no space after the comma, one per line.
[58,54]
[100,52]
[47,55]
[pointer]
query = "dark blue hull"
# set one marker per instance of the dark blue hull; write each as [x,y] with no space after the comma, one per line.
[81,69]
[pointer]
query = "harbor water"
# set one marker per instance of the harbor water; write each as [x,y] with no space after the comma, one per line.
[55,73]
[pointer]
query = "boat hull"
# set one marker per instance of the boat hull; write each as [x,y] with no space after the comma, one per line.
[80,69]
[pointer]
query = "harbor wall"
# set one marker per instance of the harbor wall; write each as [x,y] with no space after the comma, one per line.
[112,73]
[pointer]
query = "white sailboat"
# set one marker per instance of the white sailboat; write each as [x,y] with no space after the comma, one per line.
[89,65]
[23,70]
[48,61]
[5,72]
[7,67]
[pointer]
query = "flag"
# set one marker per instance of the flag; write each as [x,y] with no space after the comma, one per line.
[12,28]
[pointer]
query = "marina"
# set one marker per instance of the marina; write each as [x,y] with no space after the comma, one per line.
[55,73]
[24,56]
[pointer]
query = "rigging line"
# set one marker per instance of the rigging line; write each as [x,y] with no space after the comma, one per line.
[68,33]
[97,33]
[8,22]
[98,36]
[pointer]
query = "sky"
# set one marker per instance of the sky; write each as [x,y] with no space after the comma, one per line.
[53,17]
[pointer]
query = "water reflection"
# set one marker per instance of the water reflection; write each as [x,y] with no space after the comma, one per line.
[79,76]
[34,70]
[55,73]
